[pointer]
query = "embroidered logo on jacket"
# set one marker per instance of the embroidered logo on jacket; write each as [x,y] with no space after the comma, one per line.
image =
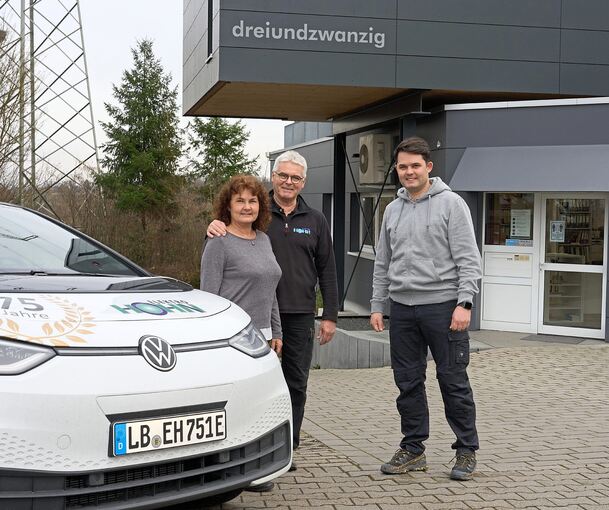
[301,230]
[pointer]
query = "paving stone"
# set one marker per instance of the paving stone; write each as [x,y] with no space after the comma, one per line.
[543,415]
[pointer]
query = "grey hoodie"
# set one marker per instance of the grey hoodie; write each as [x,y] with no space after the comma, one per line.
[427,250]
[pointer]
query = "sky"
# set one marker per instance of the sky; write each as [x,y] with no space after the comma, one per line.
[111,29]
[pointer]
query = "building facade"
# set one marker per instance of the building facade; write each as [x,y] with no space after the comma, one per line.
[511,97]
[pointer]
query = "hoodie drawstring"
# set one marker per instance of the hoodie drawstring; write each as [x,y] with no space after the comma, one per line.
[395,229]
[429,211]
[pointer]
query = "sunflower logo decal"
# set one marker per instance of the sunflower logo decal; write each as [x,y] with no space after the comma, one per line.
[69,328]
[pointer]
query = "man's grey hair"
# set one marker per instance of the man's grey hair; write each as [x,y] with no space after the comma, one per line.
[293,157]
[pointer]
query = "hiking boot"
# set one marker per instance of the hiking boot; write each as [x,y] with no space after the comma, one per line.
[404,461]
[465,465]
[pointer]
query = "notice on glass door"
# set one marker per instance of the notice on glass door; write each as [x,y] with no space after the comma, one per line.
[557,231]
[520,225]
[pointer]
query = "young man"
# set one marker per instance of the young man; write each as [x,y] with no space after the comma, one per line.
[302,244]
[427,265]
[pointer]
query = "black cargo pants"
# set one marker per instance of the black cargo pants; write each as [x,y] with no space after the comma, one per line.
[298,331]
[412,330]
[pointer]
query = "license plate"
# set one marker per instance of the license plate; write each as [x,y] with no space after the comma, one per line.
[157,434]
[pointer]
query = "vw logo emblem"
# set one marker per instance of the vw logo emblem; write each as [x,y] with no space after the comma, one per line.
[158,353]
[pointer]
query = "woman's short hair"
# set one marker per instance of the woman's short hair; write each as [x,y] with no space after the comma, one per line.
[237,184]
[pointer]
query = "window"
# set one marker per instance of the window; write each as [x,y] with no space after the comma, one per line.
[369,220]
[210,27]
[509,219]
[31,243]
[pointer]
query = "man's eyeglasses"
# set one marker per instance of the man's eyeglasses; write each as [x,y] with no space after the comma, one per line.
[296,179]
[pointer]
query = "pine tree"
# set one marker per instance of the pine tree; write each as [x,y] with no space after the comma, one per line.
[218,147]
[144,147]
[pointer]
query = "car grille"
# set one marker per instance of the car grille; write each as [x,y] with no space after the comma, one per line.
[199,476]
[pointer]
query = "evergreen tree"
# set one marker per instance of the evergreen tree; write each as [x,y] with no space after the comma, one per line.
[218,147]
[144,147]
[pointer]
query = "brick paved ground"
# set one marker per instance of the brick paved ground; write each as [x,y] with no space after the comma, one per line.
[543,419]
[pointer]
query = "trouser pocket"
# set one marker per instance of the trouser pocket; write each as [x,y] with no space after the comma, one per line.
[459,347]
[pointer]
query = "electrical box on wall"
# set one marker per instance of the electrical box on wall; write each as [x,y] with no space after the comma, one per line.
[374,158]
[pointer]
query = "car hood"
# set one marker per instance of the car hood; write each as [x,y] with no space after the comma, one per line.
[113,319]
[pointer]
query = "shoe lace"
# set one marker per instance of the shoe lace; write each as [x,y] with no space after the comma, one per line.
[464,460]
[401,454]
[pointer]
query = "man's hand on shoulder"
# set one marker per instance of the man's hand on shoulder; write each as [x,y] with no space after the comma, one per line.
[216,228]
[376,321]
[327,328]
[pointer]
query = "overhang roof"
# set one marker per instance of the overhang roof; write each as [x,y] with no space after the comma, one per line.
[320,103]
[287,101]
[536,168]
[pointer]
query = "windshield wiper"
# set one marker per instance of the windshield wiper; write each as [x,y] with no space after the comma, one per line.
[36,272]
[26,238]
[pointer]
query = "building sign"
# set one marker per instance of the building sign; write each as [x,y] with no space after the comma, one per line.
[307,32]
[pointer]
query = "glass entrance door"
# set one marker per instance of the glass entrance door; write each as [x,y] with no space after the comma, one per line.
[573,265]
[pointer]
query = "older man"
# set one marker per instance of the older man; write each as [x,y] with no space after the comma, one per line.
[302,244]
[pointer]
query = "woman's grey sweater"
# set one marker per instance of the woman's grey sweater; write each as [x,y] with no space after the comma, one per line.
[246,272]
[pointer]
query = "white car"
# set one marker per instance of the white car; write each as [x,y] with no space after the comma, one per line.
[121,390]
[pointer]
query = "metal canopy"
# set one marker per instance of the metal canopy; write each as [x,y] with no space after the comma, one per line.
[534,168]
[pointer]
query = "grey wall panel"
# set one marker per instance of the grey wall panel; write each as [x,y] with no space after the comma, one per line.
[318,154]
[432,128]
[196,31]
[311,131]
[202,81]
[585,14]
[298,133]
[451,160]
[303,132]
[307,33]
[360,289]
[319,180]
[361,8]
[468,40]
[466,74]
[582,79]
[540,13]
[307,67]
[325,129]
[288,135]
[566,125]
[313,200]
[584,47]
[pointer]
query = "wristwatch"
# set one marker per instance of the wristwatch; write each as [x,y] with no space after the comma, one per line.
[465,304]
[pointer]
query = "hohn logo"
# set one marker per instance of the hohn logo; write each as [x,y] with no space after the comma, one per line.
[158,353]
[159,307]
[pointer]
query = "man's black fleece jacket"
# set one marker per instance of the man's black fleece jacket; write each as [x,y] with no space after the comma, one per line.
[302,245]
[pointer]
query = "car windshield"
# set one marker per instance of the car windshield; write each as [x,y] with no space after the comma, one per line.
[30,243]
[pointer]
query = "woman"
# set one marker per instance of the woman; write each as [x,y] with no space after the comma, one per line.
[241,266]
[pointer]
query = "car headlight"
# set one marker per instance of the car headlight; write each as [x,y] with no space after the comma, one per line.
[18,357]
[250,341]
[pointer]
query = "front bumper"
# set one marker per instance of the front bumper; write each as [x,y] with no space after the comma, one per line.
[55,433]
[152,485]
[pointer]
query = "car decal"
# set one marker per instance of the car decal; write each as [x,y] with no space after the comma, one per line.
[58,321]
[158,307]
